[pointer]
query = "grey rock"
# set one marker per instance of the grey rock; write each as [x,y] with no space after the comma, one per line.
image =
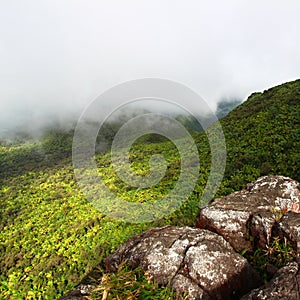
[285,285]
[186,286]
[252,213]
[191,260]
[289,228]
[232,224]
[281,192]
[261,225]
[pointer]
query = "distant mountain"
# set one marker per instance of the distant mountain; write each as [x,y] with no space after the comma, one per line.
[224,107]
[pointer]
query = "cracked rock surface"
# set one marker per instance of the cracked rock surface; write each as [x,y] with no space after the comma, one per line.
[252,212]
[188,259]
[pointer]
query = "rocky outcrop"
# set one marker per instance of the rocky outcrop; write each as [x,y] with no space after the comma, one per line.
[246,218]
[190,260]
[203,262]
[285,285]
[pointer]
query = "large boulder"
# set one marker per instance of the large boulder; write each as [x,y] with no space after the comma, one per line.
[247,218]
[191,260]
[285,285]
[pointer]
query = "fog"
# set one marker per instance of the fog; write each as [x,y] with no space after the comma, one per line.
[57,56]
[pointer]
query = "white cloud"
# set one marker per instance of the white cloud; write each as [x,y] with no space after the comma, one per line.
[55,56]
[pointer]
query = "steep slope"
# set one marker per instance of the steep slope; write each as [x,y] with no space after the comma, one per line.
[263,134]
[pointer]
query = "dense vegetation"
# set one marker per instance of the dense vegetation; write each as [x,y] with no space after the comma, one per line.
[51,237]
[263,133]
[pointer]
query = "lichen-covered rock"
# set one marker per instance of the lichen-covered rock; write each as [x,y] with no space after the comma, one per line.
[186,286]
[261,225]
[251,213]
[191,260]
[282,192]
[289,228]
[285,285]
[232,224]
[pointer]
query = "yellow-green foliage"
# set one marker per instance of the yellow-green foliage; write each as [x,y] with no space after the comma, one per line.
[51,237]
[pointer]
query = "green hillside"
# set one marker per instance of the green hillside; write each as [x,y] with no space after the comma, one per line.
[263,134]
[51,237]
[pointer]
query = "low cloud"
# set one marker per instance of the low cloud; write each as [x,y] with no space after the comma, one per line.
[57,56]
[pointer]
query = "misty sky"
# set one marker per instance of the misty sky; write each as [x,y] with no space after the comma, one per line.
[57,55]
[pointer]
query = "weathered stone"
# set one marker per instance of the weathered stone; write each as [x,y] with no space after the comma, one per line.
[193,260]
[289,228]
[285,285]
[282,192]
[231,224]
[261,225]
[251,214]
[186,286]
